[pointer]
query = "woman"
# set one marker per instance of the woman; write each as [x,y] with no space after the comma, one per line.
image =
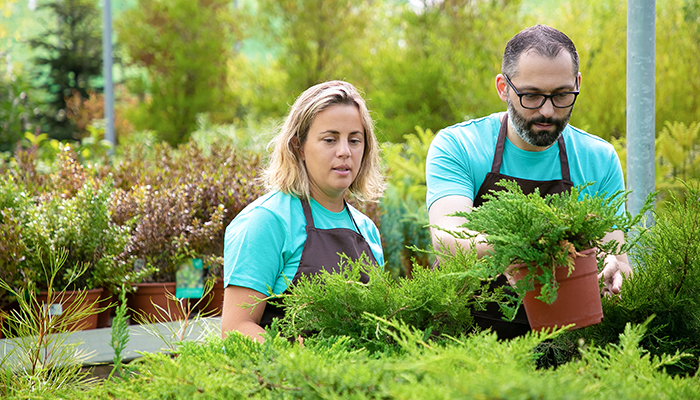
[325,151]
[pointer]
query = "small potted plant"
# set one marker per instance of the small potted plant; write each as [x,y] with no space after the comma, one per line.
[541,242]
[80,224]
[169,229]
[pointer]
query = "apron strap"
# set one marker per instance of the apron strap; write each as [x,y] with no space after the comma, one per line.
[307,213]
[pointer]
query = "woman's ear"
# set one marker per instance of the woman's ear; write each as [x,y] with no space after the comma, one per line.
[298,148]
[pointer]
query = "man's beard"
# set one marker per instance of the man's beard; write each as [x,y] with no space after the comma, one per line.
[523,127]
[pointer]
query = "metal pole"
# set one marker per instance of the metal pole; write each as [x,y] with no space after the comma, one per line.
[107,72]
[641,42]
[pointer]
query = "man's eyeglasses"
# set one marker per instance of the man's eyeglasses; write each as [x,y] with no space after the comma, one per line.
[533,101]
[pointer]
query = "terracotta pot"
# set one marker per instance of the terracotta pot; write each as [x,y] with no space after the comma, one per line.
[65,300]
[213,309]
[147,294]
[578,296]
[104,318]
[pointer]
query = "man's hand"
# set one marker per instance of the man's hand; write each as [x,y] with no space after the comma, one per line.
[614,272]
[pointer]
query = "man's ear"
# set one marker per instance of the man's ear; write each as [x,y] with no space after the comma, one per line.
[502,87]
[578,81]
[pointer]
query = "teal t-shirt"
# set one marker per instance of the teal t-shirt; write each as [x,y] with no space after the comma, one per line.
[263,244]
[461,155]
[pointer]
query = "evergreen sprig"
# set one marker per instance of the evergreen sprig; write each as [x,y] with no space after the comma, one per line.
[119,333]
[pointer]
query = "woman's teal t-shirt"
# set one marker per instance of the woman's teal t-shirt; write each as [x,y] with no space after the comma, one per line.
[263,244]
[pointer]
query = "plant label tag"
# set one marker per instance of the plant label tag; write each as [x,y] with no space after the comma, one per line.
[139,264]
[190,279]
[54,309]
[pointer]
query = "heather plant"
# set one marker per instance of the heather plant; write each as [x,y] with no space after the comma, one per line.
[166,228]
[226,176]
[180,200]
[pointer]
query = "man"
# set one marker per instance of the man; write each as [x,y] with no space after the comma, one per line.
[532,143]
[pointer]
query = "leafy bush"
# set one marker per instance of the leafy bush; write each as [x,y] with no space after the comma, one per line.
[81,225]
[13,202]
[180,200]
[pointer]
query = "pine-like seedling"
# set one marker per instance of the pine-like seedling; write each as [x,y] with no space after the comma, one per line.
[120,333]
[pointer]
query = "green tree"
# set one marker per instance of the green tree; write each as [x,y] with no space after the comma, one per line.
[598,27]
[439,66]
[183,47]
[69,59]
[313,40]
[677,62]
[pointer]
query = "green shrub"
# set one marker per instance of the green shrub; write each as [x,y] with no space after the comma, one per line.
[13,202]
[405,218]
[664,284]
[479,366]
[437,302]
[81,225]
[182,47]
[180,201]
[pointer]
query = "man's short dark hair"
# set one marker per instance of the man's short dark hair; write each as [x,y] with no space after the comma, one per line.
[544,41]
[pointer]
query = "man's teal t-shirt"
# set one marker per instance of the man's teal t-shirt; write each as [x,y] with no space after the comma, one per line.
[263,244]
[461,155]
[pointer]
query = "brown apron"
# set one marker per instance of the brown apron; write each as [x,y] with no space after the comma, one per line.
[322,251]
[492,317]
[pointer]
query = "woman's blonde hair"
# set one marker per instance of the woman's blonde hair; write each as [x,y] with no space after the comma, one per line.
[287,172]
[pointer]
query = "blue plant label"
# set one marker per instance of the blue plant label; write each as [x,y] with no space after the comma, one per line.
[189,279]
[54,309]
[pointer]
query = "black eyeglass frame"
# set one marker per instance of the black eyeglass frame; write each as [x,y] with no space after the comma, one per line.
[544,96]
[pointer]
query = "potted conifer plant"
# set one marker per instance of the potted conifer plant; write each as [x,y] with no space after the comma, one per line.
[540,243]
